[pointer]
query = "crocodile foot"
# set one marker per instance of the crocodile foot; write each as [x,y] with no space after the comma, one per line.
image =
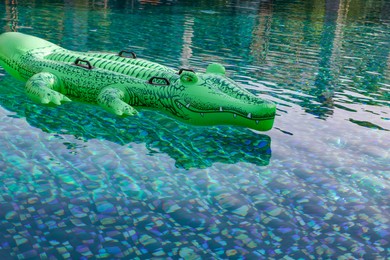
[40,88]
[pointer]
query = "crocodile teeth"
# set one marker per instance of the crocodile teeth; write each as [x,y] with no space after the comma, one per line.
[257,122]
[201,114]
[188,105]
[249,115]
[220,109]
[178,104]
[235,115]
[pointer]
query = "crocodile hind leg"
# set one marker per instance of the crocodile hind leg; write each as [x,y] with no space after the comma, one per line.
[41,88]
[112,99]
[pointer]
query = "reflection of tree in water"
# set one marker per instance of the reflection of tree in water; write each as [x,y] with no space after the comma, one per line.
[261,32]
[11,11]
[303,46]
[189,146]
[329,43]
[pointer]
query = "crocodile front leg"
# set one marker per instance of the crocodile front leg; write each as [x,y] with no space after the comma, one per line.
[111,99]
[41,89]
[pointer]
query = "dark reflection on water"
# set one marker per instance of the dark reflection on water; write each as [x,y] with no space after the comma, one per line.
[77,182]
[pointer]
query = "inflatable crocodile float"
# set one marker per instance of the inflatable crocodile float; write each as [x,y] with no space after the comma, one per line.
[122,83]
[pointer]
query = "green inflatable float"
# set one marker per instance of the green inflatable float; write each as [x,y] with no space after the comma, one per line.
[122,83]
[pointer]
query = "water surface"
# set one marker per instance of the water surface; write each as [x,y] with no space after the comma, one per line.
[77,182]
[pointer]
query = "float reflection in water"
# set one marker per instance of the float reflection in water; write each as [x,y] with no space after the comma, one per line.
[188,146]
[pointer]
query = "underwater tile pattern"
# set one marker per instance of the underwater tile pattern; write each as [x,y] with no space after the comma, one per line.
[79,183]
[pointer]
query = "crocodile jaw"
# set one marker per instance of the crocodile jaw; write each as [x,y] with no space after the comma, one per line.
[219,100]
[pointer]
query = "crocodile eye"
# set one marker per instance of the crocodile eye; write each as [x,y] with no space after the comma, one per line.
[188,78]
[216,68]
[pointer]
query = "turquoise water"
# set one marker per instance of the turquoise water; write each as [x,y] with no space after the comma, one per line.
[77,182]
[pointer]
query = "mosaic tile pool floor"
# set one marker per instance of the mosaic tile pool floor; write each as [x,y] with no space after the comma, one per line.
[79,183]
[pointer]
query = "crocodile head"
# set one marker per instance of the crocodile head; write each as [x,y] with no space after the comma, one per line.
[212,98]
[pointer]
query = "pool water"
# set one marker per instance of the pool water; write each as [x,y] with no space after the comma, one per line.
[77,182]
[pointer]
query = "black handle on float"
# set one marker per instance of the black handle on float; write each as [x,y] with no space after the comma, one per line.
[167,83]
[181,70]
[87,65]
[129,52]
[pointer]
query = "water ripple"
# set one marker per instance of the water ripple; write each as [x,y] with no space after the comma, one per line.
[77,182]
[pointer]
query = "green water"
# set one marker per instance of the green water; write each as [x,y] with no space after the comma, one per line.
[77,182]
